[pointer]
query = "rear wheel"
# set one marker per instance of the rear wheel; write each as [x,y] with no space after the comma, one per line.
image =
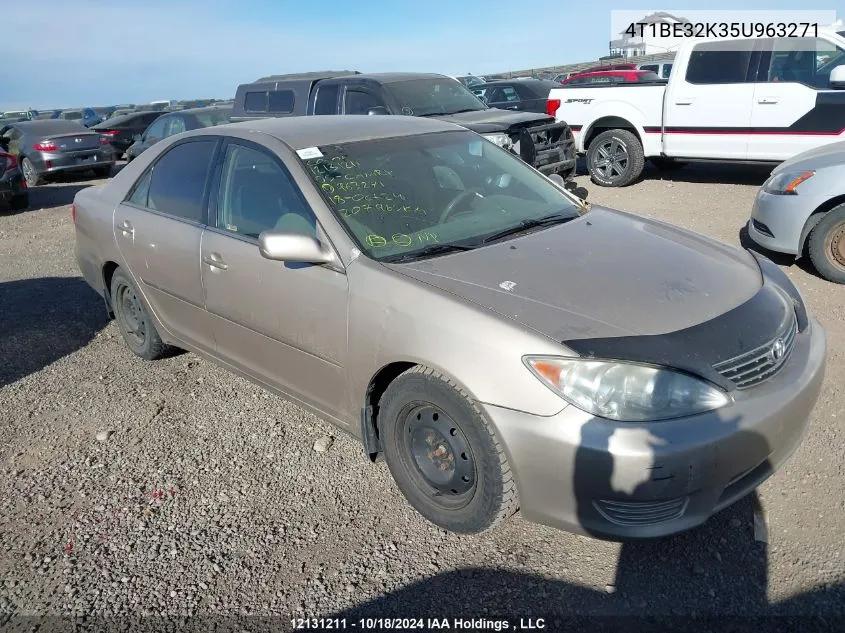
[443,454]
[136,326]
[30,175]
[827,245]
[19,202]
[615,158]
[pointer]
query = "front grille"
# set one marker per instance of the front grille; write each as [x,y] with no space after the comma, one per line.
[639,513]
[762,228]
[752,368]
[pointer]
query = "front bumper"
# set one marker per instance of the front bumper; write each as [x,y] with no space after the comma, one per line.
[777,222]
[549,148]
[625,481]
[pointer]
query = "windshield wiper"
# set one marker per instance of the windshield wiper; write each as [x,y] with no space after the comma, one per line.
[527,225]
[434,249]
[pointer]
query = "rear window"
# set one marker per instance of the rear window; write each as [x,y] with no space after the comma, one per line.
[720,62]
[277,101]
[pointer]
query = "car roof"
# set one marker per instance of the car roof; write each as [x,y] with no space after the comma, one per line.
[315,131]
[49,126]
[387,78]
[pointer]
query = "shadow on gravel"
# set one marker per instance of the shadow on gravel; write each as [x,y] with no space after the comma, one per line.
[781,259]
[717,173]
[43,320]
[49,197]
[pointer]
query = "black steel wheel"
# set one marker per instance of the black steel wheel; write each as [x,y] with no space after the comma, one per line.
[827,245]
[443,454]
[136,326]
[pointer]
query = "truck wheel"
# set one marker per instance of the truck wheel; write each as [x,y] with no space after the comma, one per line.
[827,245]
[443,455]
[666,164]
[615,158]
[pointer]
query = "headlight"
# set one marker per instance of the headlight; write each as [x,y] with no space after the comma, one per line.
[502,140]
[627,392]
[786,182]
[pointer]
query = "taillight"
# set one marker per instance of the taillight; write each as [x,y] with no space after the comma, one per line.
[110,132]
[551,106]
[46,146]
[73,212]
[7,162]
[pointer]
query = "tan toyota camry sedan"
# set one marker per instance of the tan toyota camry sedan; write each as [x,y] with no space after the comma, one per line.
[503,344]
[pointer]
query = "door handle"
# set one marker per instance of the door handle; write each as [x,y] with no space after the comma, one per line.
[215,261]
[767,100]
[126,228]
[684,102]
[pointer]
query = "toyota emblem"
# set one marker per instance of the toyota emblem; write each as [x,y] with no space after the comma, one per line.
[778,349]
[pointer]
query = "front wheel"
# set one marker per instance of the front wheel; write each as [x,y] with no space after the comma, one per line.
[136,326]
[827,245]
[443,454]
[615,158]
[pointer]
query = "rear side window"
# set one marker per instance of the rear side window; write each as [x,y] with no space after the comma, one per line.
[720,62]
[326,100]
[177,186]
[277,101]
[360,102]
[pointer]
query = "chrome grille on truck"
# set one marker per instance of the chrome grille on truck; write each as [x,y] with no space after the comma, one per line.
[752,368]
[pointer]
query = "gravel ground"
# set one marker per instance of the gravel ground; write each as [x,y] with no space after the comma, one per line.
[174,488]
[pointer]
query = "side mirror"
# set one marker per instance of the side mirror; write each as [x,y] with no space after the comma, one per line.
[377,110]
[293,247]
[837,77]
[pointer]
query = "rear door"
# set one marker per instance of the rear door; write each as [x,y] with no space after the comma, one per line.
[794,107]
[158,230]
[707,111]
[283,323]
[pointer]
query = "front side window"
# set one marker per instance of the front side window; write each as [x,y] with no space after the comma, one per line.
[256,194]
[360,102]
[401,195]
[724,62]
[429,97]
[667,70]
[179,178]
[805,60]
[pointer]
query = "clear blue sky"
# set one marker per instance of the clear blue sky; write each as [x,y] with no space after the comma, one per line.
[65,53]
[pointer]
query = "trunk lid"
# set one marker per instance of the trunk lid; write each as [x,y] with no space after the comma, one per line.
[75,142]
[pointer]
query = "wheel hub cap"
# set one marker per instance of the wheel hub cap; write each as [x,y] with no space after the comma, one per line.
[611,159]
[440,451]
[837,245]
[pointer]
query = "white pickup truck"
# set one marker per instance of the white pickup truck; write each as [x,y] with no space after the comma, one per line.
[758,100]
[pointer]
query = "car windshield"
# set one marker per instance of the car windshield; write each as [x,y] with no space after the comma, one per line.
[400,196]
[427,97]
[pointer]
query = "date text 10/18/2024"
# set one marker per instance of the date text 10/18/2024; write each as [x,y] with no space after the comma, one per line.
[420,624]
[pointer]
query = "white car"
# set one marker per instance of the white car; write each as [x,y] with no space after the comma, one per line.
[761,100]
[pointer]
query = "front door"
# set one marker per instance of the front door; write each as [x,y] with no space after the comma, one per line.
[707,112]
[283,323]
[794,108]
[158,229]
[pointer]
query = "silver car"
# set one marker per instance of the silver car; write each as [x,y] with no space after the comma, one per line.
[802,207]
[500,342]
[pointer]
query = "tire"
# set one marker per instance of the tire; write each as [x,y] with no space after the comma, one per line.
[666,164]
[827,245]
[19,202]
[102,172]
[32,177]
[629,161]
[133,319]
[420,407]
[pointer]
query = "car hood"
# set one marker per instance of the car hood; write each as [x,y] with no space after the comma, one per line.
[605,274]
[495,120]
[827,155]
